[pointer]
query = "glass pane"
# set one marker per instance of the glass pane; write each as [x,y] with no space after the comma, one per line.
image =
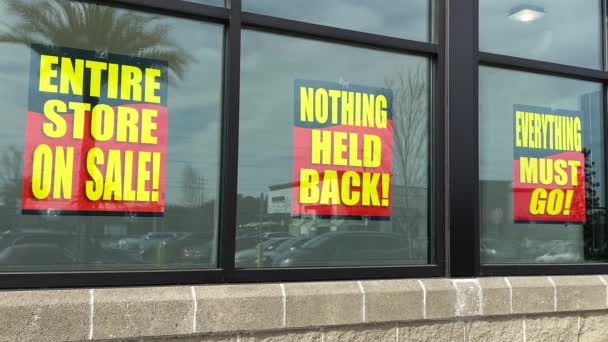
[363,223]
[210,2]
[101,110]
[541,168]
[545,30]
[403,19]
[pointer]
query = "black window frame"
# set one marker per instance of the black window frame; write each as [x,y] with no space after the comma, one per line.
[234,21]
[506,62]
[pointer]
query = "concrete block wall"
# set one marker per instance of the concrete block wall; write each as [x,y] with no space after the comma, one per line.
[558,308]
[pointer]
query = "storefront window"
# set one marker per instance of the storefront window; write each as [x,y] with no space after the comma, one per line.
[403,19]
[210,2]
[560,31]
[333,155]
[109,138]
[542,171]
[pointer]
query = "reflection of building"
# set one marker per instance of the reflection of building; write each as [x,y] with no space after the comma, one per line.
[408,211]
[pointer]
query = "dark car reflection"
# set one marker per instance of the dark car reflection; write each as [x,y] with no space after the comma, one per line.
[349,248]
[494,251]
[271,249]
[32,247]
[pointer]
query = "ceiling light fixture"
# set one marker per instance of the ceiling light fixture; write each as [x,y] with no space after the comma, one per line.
[526,13]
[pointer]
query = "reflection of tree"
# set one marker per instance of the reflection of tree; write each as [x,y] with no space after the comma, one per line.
[11,176]
[85,26]
[193,188]
[594,230]
[92,27]
[410,140]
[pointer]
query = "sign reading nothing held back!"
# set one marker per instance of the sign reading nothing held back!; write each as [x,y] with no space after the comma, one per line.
[343,145]
[549,165]
[96,133]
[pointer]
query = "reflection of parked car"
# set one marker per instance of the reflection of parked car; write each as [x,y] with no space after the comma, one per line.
[563,253]
[171,249]
[348,249]
[243,243]
[248,257]
[197,252]
[35,254]
[285,248]
[44,247]
[274,235]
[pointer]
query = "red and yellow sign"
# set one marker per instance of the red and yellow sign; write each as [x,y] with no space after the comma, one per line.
[548,166]
[96,133]
[343,142]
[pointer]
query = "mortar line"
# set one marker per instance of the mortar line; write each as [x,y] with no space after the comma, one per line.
[554,294]
[284,300]
[510,294]
[605,287]
[423,298]
[363,300]
[91,313]
[194,308]
[480,297]
[524,329]
[396,332]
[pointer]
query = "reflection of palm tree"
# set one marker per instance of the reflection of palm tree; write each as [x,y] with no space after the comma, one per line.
[65,23]
[91,27]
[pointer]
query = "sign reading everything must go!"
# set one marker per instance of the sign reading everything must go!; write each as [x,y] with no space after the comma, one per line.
[549,165]
[96,133]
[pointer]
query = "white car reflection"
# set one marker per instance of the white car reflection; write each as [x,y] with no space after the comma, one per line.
[566,252]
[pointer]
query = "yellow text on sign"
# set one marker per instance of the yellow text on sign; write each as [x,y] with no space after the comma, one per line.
[67,75]
[350,189]
[553,202]
[548,171]
[125,124]
[340,107]
[345,149]
[117,183]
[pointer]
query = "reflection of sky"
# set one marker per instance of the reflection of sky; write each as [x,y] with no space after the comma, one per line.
[500,89]
[194,103]
[267,81]
[568,33]
[404,19]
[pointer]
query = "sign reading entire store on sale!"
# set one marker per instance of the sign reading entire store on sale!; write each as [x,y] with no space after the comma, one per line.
[343,146]
[549,165]
[96,133]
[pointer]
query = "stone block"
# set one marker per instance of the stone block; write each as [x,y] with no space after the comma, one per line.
[496,296]
[56,315]
[227,308]
[323,304]
[495,329]
[593,327]
[393,300]
[432,331]
[149,311]
[363,333]
[468,297]
[551,328]
[283,336]
[576,293]
[532,294]
[440,298]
